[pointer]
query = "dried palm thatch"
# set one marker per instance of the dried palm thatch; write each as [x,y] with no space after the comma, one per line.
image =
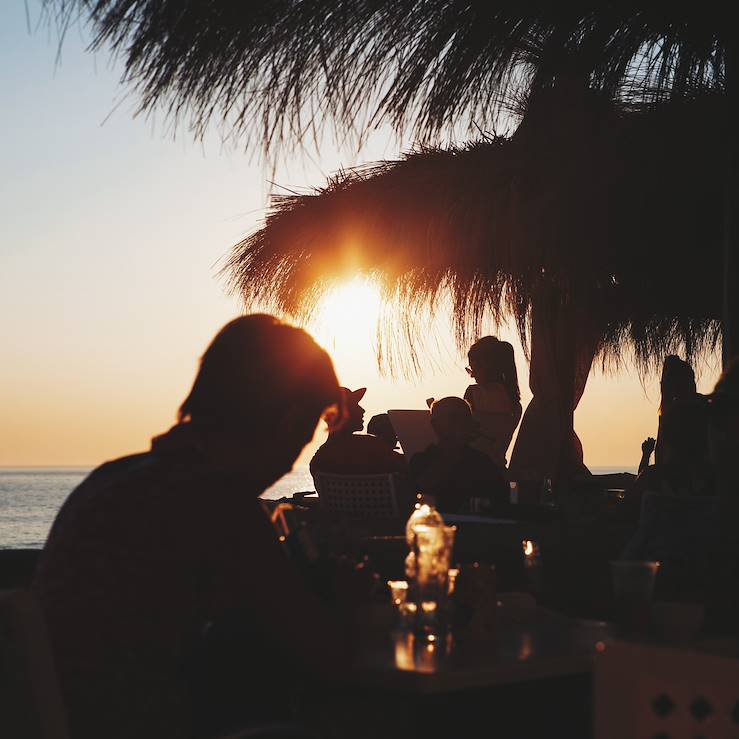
[613,210]
[279,68]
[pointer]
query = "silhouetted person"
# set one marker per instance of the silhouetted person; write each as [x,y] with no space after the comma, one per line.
[495,398]
[676,505]
[452,471]
[346,452]
[152,547]
[381,427]
[684,468]
[677,383]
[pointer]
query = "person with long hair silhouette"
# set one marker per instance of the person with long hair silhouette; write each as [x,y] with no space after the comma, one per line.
[495,398]
[677,384]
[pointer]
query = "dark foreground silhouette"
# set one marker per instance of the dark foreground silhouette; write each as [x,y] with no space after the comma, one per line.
[153,552]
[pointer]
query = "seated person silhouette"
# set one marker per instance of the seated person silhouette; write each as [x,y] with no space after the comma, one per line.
[451,471]
[676,504]
[152,548]
[683,468]
[346,452]
[381,427]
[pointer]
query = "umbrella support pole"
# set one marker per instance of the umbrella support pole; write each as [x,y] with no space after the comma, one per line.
[730,343]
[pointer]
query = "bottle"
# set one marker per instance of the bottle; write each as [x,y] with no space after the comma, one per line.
[423,514]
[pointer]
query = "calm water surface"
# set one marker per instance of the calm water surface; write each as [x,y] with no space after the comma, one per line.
[30,498]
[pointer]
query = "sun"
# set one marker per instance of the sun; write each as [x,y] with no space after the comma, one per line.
[347,316]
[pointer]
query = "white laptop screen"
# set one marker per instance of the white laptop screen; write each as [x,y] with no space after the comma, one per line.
[414,430]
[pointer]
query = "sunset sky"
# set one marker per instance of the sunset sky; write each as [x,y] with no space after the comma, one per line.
[114,229]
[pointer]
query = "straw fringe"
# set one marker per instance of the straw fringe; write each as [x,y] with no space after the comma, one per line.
[276,71]
[617,210]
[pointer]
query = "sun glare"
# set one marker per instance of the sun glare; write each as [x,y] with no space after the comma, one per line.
[347,316]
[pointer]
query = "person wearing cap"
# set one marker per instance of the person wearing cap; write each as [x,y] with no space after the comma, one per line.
[347,452]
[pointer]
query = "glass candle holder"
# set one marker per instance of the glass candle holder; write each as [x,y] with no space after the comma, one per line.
[398,591]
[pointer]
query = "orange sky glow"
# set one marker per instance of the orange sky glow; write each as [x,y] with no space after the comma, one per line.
[115,230]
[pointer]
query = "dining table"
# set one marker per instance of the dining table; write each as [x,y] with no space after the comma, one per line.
[531,677]
[528,643]
[532,674]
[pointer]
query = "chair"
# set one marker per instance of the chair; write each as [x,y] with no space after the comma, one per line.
[357,496]
[30,701]
[661,693]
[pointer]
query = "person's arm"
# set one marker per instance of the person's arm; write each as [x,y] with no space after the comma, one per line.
[647,448]
[468,395]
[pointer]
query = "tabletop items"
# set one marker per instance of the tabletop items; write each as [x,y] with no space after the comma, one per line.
[437,599]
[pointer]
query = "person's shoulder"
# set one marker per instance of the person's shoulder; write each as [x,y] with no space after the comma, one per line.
[319,457]
[471,453]
[419,459]
[432,450]
[379,450]
[130,464]
[480,460]
[369,440]
[114,472]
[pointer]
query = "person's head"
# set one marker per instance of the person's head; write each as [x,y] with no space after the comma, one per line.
[677,381]
[492,360]
[452,421]
[354,412]
[723,417]
[381,427]
[262,384]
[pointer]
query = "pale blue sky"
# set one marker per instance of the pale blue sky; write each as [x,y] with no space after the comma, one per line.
[112,230]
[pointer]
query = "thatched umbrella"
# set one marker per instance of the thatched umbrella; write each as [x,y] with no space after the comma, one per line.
[281,65]
[280,68]
[598,229]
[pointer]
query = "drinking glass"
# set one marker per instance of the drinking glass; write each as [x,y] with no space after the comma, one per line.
[398,591]
[405,608]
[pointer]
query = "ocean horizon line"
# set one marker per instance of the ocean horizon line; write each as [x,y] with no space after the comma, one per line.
[301,467]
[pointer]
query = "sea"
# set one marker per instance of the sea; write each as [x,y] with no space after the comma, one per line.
[31,496]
